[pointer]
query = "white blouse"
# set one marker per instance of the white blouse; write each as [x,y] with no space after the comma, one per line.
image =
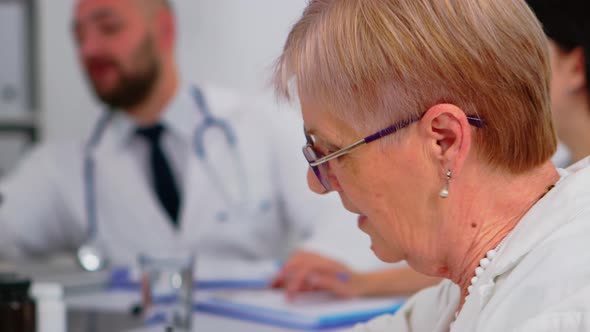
[539,281]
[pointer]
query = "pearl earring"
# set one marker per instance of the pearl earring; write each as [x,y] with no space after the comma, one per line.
[444,192]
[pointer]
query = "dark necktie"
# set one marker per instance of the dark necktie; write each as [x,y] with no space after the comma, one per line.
[162,177]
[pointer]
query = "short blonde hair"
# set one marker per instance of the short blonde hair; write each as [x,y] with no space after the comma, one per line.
[374,62]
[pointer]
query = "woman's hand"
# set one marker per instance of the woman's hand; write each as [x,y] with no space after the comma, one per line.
[307,271]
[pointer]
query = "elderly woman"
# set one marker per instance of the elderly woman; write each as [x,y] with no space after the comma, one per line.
[566,25]
[431,120]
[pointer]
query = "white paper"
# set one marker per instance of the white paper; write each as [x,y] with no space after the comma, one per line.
[315,304]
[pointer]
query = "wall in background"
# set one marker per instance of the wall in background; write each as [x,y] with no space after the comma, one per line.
[230,43]
[17,120]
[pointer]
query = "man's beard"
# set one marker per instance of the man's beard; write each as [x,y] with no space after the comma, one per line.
[135,87]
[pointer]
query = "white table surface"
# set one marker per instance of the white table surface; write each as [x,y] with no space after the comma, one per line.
[109,310]
[203,322]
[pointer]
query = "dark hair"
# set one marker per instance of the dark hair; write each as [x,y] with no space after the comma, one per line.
[567,23]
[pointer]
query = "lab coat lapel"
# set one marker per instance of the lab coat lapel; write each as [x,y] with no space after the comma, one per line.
[190,212]
[204,203]
[125,202]
[183,116]
[211,186]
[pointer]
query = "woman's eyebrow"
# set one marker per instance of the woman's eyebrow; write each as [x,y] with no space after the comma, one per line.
[321,139]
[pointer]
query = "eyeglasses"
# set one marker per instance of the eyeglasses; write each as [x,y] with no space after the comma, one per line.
[319,163]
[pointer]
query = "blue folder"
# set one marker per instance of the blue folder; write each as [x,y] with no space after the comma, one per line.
[120,279]
[265,314]
[285,317]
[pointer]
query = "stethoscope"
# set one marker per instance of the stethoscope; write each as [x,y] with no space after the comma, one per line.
[90,255]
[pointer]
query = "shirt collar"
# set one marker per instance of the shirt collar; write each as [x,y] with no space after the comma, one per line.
[555,209]
[180,117]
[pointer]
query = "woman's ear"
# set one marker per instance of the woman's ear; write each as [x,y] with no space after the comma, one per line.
[447,130]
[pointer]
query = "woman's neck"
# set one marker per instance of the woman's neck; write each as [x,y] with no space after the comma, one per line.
[490,211]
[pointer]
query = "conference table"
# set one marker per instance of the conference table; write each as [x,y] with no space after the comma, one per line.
[79,301]
[202,322]
[106,311]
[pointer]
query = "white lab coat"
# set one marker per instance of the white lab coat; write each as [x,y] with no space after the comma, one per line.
[539,281]
[44,211]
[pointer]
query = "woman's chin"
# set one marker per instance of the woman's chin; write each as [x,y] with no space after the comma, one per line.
[385,255]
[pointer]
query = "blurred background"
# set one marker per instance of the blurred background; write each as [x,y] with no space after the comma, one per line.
[43,94]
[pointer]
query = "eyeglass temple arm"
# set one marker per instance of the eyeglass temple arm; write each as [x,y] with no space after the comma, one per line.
[338,153]
[474,121]
[390,130]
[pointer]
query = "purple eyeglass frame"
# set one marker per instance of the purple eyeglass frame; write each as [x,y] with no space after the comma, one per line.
[317,161]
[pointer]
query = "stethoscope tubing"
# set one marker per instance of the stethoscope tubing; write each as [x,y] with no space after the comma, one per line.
[89,172]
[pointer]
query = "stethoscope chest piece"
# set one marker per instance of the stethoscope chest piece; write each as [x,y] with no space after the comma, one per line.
[90,258]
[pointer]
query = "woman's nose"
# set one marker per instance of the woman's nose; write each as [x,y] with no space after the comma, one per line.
[314,183]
